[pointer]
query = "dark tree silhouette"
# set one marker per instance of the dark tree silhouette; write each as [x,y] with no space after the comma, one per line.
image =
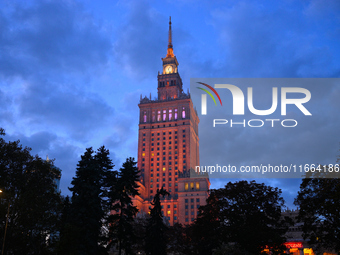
[29,200]
[244,213]
[89,207]
[126,187]
[319,202]
[155,231]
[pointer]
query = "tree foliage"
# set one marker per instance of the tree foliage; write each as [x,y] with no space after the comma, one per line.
[156,228]
[245,213]
[319,202]
[120,197]
[89,209]
[29,192]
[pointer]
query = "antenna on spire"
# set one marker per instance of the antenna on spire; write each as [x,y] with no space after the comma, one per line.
[170,53]
[170,34]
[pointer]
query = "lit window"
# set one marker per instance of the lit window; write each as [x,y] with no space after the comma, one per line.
[191,185]
[175,114]
[169,212]
[152,154]
[197,185]
[183,113]
[143,154]
[170,116]
[159,116]
[163,168]
[186,186]
[144,117]
[164,115]
[153,117]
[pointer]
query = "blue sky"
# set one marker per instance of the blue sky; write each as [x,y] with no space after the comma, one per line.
[71,72]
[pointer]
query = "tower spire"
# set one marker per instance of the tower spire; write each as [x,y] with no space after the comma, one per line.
[170,52]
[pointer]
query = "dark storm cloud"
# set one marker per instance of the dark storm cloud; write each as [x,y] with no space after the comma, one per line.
[53,46]
[142,41]
[49,36]
[277,40]
[73,111]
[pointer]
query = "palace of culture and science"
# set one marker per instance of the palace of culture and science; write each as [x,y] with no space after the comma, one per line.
[168,147]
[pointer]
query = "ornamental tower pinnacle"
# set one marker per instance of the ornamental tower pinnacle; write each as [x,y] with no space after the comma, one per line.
[170,52]
[169,81]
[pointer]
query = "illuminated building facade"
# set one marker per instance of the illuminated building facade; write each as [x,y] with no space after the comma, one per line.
[168,147]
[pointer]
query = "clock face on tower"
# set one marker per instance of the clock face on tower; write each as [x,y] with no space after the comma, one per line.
[168,69]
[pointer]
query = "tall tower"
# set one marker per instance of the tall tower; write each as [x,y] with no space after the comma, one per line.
[168,147]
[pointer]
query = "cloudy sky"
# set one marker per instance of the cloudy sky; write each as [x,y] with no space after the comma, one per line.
[71,72]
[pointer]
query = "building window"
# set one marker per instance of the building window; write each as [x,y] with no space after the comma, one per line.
[176,115]
[164,115]
[183,113]
[191,185]
[144,117]
[159,116]
[197,200]
[197,187]
[186,187]
[170,116]
[153,117]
